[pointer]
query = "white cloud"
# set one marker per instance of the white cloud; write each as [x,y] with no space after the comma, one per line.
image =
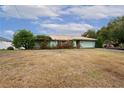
[9,32]
[47,21]
[85,12]
[68,27]
[59,14]
[95,12]
[29,12]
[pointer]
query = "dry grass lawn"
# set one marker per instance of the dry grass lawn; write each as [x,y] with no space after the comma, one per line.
[62,68]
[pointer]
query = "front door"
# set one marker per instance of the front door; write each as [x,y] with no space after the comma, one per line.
[78,43]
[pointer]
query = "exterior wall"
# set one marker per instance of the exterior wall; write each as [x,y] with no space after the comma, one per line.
[5,45]
[74,44]
[37,45]
[87,44]
[53,44]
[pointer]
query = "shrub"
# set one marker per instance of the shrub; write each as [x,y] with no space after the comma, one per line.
[65,44]
[44,45]
[10,48]
[121,45]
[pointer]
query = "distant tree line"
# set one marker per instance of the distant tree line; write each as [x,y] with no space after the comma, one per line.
[111,35]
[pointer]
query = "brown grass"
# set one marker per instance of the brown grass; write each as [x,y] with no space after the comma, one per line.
[62,68]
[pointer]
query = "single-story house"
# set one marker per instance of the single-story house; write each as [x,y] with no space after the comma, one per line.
[5,43]
[67,42]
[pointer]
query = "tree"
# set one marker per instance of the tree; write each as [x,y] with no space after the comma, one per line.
[118,31]
[90,34]
[42,37]
[44,40]
[114,31]
[99,42]
[104,33]
[23,38]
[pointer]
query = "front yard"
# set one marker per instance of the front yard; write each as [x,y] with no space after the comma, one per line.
[62,68]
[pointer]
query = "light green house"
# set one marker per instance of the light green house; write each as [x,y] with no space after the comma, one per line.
[68,42]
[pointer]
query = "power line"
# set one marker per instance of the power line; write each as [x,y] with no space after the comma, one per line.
[17,11]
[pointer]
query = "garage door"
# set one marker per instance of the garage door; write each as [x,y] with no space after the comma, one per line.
[87,44]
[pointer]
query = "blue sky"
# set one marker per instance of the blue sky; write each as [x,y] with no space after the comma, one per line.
[56,20]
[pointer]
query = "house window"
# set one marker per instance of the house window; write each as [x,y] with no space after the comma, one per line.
[65,44]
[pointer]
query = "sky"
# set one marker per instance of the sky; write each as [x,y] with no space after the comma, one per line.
[56,20]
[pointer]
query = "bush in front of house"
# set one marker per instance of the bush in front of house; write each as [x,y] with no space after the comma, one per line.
[65,45]
[44,41]
[121,45]
[44,45]
[10,48]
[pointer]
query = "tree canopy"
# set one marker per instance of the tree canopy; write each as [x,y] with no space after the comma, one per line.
[23,38]
[42,37]
[114,31]
[90,33]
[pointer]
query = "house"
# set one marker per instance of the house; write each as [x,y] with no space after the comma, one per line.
[67,42]
[5,43]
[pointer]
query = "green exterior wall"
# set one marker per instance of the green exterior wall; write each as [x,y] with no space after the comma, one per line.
[82,44]
[74,44]
[37,45]
[53,44]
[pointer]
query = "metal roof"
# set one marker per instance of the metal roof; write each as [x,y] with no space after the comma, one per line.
[70,38]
